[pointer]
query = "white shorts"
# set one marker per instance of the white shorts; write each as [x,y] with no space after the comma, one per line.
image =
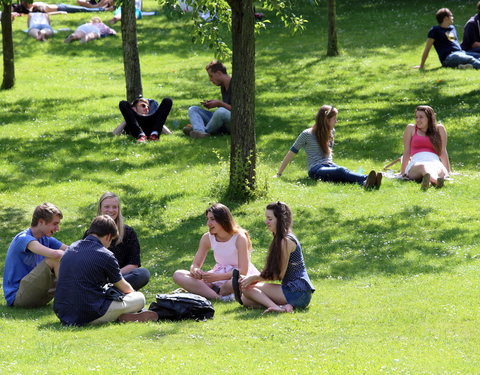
[426,157]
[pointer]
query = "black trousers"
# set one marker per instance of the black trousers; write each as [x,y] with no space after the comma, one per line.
[137,124]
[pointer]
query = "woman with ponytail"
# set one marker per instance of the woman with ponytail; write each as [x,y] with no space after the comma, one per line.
[285,263]
[425,156]
[318,144]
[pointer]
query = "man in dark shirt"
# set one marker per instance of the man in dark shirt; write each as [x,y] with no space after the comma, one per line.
[203,122]
[471,33]
[86,267]
[444,38]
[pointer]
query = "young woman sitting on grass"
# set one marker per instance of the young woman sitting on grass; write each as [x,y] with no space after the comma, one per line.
[231,248]
[425,156]
[284,262]
[126,247]
[318,144]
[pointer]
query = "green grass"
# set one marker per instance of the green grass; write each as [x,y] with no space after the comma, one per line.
[396,271]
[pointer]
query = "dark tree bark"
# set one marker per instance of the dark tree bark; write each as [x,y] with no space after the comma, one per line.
[131,60]
[243,149]
[332,48]
[7,43]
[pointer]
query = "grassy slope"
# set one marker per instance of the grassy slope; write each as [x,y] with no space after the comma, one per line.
[396,271]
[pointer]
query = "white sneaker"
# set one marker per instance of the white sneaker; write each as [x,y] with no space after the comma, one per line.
[227,298]
[465,66]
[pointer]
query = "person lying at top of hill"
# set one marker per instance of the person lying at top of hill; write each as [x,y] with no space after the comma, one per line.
[38,6]
[318,144]
[444,38]
[425,156]
[95,29]
[39,26]
[108,4]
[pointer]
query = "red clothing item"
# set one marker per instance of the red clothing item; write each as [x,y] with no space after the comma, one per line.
[420,143]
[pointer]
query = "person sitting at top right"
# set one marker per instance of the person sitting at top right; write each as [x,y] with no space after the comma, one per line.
[204,122]
[444,38]
[471,33]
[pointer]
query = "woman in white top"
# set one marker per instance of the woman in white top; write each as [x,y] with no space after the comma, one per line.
[231,248]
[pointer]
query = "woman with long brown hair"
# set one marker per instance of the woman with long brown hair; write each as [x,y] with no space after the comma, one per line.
[231,249]
[318,144]
[425,156]
[284,262]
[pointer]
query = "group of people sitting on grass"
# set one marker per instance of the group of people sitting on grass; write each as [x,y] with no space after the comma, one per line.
[445,40]
[80,277]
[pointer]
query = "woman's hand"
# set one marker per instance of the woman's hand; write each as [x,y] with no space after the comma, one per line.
[197,273]
[248,282]
[210,277]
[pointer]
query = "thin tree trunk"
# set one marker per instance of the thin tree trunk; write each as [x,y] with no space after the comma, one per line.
[332,48]
[131,60]
[243,150]
[7,42]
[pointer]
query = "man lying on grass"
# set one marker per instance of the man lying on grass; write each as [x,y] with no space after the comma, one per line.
[32,261]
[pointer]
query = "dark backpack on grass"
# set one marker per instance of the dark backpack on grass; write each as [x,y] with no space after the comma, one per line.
[180,306]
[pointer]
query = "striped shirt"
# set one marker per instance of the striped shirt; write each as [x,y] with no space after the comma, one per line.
[315,155]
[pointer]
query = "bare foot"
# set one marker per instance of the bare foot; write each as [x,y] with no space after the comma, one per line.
[276,309]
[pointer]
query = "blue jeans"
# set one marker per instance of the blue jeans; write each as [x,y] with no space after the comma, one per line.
[210,122]
[460,57]
[77,9]
[333,173]
[137,278]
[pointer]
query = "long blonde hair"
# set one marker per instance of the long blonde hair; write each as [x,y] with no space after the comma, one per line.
[322,130]
[119,220]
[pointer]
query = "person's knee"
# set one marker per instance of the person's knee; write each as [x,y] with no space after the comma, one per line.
[135,301]
[193,109]
[222,113]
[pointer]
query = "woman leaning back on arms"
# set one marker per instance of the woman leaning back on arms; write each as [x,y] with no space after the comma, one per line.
[425,156]
[318,144]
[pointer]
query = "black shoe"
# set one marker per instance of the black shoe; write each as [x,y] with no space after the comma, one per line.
[378,180]
[370,181]
[236,286]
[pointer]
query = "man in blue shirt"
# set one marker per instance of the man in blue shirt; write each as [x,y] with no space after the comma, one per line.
[444,38]
[86,267]
[33,259]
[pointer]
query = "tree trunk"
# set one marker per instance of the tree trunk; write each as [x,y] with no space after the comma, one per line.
[131,61]
[243,149]
[332,48]
[7,42]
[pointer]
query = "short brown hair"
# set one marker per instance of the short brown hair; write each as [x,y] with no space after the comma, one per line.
[442,13]
[45,211]
[215,66]
[103,225]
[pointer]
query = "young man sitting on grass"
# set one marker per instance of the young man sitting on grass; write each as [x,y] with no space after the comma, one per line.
[444,38]
[32,261]
[86,268]
[204,122]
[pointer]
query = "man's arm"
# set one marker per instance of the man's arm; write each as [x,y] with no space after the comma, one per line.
[123,286]
[128,268]
[426,51]
[37,248]
[217,103]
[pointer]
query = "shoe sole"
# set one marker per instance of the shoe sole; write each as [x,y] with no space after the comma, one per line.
[196,134]
[236,286]
[440,183]
[378,180]
[370,181]
[144,316]
[425,182]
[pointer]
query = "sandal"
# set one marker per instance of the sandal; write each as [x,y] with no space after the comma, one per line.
[236,286]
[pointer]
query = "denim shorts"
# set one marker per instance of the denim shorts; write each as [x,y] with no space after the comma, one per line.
[297,299]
